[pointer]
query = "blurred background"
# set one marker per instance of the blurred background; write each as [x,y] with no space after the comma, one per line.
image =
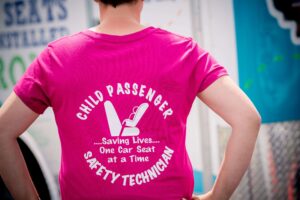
[258,41]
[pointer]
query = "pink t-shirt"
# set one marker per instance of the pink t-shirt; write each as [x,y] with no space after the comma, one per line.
[121,105]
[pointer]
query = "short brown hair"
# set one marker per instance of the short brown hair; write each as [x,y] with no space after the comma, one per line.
[115,3]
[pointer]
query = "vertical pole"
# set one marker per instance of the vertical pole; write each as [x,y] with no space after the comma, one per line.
[206,148]
[89,13]
[197,16]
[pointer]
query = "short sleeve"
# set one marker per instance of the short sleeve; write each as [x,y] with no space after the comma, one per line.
[206,68]
[31,88]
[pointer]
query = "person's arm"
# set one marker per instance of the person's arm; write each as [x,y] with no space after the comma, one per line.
[15,118]
[226,99]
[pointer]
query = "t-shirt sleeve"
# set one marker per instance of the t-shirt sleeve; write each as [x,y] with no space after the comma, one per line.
[31,88]
[206,68]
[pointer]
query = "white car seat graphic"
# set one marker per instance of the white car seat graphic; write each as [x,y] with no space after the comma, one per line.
[128,126]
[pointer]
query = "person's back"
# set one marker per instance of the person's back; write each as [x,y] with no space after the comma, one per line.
[121,94]
[121,104]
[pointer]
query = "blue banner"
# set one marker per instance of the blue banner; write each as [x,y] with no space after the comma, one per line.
[268,59]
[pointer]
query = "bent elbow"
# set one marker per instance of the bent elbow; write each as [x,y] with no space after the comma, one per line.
[251,120]
[254,119]
[257,120]
[254,122]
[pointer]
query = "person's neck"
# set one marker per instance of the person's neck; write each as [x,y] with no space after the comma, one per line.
[119,21]
[118,27]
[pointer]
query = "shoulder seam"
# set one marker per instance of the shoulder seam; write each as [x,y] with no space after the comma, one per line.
[177,34]
[63,37]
